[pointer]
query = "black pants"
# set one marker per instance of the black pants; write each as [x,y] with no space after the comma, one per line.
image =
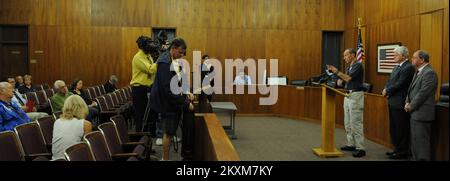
[93,113]
[202,103]
[140,99]
[150,119]
[400,130]
[188,130]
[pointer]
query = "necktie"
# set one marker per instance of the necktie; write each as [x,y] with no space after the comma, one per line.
[415,76]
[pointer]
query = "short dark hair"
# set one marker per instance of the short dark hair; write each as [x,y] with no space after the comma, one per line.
[424,55]
[178,42]
[204,56]
[73,86]
[351,51]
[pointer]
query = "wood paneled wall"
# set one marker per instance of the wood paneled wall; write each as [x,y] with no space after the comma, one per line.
[390,21]
[92,39]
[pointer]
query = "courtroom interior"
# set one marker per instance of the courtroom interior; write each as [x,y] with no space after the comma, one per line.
[224,80]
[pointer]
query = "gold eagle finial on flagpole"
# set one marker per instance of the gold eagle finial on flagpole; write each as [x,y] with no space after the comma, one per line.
[359,23]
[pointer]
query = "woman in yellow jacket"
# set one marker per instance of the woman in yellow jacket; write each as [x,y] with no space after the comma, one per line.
[143,73]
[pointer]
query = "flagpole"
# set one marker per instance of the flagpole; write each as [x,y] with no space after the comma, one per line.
[359,24]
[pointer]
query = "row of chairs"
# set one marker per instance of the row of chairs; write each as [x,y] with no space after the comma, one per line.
[112,142]
[32,141]
[41,97]
[95,91]
[118,102]
[41,87]
[110,104]
[106,145]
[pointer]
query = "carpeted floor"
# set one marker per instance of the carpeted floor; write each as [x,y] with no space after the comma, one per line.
[280,139]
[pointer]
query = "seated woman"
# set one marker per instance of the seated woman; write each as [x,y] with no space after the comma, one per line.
[70,127]
[27,86]
[77,89]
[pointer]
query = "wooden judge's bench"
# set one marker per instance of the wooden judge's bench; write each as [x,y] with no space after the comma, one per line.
[304,103]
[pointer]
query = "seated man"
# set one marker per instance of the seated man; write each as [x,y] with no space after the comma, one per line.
[23,103]
[11,115]
[27,86]
[61,95]
[242,79]
[19,81]
[110,85]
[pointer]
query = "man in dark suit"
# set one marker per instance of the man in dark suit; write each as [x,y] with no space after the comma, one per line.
[395,90]
[420,103]
[206,72]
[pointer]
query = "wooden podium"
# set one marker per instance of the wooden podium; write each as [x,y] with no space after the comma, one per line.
[328,148]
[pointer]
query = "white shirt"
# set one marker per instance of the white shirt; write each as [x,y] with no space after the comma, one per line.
[16,100]
[401,63]
[66,133]
[421,68]
[242,80]
[177,67]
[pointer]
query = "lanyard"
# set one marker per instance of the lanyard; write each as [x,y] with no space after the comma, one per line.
[19,98]
[10,107]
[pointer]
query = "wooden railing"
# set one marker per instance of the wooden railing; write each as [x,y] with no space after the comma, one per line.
[211,141]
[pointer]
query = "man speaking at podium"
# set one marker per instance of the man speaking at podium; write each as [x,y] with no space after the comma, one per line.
[354,103]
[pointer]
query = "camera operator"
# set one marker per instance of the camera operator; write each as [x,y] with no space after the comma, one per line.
[143,74]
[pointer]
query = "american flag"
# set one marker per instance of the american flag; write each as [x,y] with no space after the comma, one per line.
[386,57]
[360,52]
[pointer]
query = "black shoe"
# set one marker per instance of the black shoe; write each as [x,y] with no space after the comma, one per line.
[397,156]
[359,153]
[348,148]
[389,153]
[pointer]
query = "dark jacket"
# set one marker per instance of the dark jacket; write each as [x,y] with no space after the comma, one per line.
[421,94]
[11,115]
[24,89]
[162,99]
[398,84]
[84,96]
[206,72]
[109,87]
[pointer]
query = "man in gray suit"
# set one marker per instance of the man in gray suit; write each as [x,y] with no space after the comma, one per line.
[395,90]
[420,103]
